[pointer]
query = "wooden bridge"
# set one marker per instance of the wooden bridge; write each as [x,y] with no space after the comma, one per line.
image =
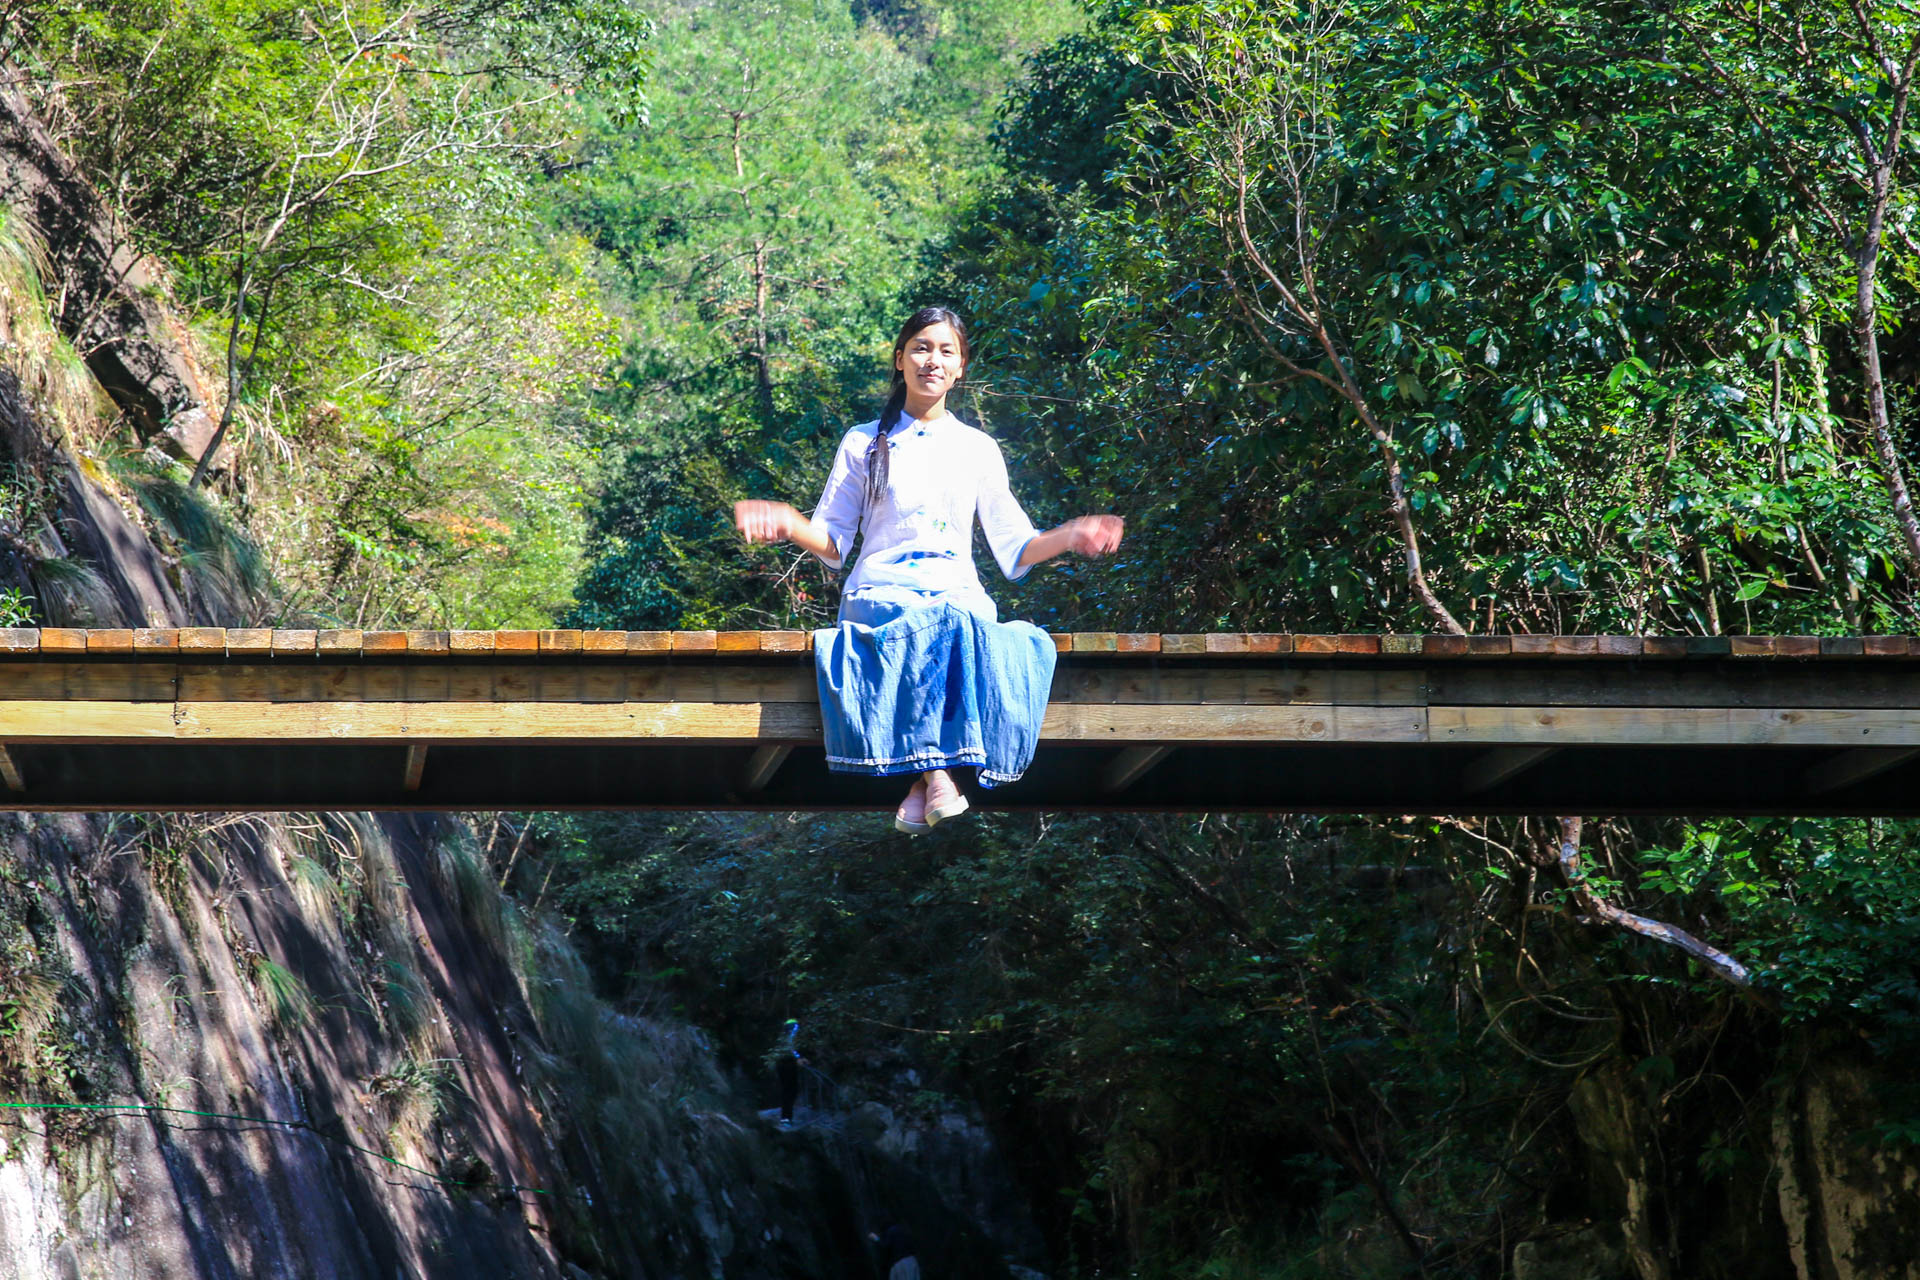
[203,718]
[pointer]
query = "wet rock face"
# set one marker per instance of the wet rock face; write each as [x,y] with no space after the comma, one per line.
[1850,1201]
[955,1153]
[111,307]
[1810,1193]
[1584,1253]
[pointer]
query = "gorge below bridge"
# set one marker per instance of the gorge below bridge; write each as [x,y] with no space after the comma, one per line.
[212,719]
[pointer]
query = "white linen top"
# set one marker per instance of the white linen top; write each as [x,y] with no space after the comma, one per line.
[917,541]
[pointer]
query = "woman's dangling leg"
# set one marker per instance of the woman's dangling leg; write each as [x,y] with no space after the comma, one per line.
[911,816]
[944,799]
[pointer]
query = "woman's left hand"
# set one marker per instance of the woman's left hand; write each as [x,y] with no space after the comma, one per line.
[1094,535]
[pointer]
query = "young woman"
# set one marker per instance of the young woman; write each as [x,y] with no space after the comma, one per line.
[920,677]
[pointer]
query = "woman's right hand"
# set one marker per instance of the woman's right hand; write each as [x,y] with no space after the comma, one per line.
[761,521]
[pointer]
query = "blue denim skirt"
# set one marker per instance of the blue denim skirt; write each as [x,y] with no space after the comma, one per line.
[904,689]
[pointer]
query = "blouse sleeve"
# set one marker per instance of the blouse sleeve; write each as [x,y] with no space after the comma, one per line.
[1007,528]
[838,513]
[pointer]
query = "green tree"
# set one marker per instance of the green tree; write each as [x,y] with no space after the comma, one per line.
[764,229]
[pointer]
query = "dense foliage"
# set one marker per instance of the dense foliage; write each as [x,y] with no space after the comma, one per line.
[344,200]
[1547,297]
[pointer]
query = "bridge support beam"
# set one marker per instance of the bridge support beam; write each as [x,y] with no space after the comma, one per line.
[1125,768]
[10,772]
[1488,771]
[1849,767]
[762,765]
[416,766]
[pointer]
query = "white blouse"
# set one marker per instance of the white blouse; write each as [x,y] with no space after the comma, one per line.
[918,538]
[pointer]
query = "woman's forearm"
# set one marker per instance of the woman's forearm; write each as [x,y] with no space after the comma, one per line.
[810,537]
[760,521]
[1043,547]
[1083,535]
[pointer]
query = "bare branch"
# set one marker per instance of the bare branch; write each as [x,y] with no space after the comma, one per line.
[1598,908]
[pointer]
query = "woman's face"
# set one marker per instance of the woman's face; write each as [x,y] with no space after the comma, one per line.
[932,361]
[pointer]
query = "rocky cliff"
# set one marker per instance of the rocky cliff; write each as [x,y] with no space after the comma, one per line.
[316,1045]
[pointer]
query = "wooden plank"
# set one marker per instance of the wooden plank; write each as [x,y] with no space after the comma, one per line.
[1487,771]
[762,765]
[470,642]
[720,681]
[603,644]
[1137,642]
[342,722]
[1574,646]
[156,640]
[429,682]
[19,639]
[1856,765]
[1531,646]
[1842,647]
[1675,726]
[1096,642]
[416,767]
[1443,646]
[1062,642]
[118,721]
[338,642]
[1125,768]
[1269,642]
[649,641]
[1226,642]
[1663,646]
[430,642]
[736,642]
[1621,646]
[1068,722]
[383,643]
[1179,644]
[693,641]
[200,641]
[292,642]
[249,642]
[786,641]
[559,642]
[10,772]
[1876,646]
[1812,684]
[63,640]
[110,640]
[1489,646]
[516,642]
[1400,646]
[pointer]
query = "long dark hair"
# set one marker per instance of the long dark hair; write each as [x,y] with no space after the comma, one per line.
[896,406]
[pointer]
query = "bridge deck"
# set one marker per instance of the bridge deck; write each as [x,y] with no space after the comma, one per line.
[201,718]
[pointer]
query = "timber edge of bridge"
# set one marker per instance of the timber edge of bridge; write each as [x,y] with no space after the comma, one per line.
[294,643]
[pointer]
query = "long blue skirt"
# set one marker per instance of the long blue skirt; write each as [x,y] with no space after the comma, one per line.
[904,690]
